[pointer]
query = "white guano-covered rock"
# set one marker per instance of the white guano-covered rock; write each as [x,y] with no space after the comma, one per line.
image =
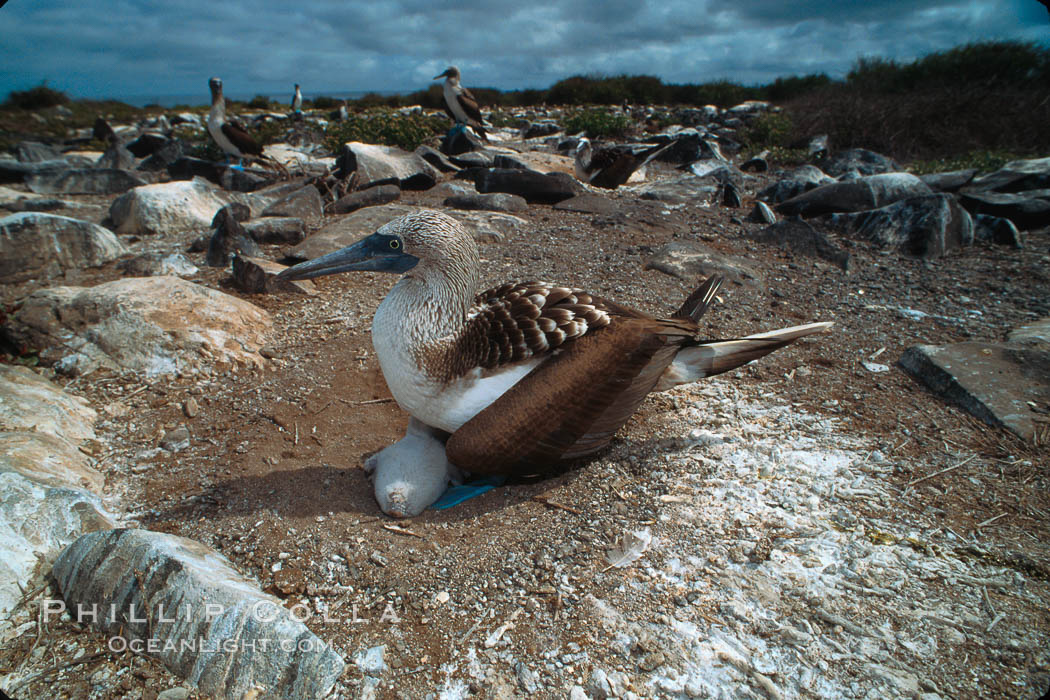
[152,325]
[171,207]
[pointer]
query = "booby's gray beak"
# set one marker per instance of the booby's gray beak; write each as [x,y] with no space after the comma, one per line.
[439,77]
[372,254]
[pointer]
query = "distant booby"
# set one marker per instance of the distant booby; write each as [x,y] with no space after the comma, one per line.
[521,377]
[230,134]
[611,166]
[297,100]
[460,105]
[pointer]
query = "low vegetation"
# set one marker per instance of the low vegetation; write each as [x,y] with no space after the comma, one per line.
[405,131]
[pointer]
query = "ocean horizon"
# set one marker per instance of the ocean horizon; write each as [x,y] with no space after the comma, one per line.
[202,98]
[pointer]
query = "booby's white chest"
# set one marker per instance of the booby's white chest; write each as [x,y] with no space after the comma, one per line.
[452,100]
[439,404]
[215,122]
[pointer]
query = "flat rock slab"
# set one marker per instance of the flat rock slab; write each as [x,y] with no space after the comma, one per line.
[793,183]
[692,262]
[800,237]
[84,181]
[281,230]
[152,325]
[1026,211]
[1016,176]
[48,460]
[690,188]
[42,246]
[994,382]
[168,208]
[589,204]
[485,226]
[497,201]
[304,203]
[148,576]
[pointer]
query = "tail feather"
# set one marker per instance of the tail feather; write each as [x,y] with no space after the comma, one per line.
[716,356]
[696,305]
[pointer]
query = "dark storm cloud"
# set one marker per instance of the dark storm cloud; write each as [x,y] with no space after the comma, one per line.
[126,47]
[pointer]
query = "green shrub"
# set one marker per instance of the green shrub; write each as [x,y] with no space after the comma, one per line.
[405,131]
[259,102]
[324,102]
[983,161]
[598,123]
[769,130]
[39,97]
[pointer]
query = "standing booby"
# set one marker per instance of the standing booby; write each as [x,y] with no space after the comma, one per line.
[521,377]
[230,134]
[611,166]
[460,105]
[297,101]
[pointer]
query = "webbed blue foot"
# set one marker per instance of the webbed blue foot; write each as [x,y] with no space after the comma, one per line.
[454,495]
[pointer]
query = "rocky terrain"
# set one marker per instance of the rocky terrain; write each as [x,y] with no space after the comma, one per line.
[861,515]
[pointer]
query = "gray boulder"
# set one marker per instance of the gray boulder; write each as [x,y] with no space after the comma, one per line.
[1028,210]
[373,196]
[861,161]
[862,193]
[544,188]
[498,201]
[42,246]
[229,238]
[994,229]
[259,276]
[83,181]
[304,204]
[950,181]
[380,165]
[927,227]
[801,179]
[287,230]
[143,574]
[1016,176]
[15,171]
[36,152]
[116,156]
[436,158]
[154,264]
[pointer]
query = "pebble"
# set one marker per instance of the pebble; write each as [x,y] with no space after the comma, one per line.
[191,408]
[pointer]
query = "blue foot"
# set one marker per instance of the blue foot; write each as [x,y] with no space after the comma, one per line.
[455,495]
[237,167]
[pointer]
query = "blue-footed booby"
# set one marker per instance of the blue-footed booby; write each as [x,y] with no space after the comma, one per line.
[460,105]
[230,134]
[297,100]
[611,166]
[518,379]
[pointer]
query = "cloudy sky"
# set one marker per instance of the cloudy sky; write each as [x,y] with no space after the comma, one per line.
[135,48]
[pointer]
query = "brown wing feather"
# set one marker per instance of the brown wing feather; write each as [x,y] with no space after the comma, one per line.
[470,105]
[618,163]
[521,320]
[571,405]
[241,139]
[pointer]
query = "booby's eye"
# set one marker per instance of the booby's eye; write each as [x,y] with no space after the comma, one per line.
[395,244]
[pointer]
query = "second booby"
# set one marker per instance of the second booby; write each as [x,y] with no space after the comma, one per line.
[229,134]
[460,104]
[297,100]
[611,166]
[517,379]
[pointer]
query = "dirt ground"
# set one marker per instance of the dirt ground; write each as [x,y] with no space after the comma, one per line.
[273,477]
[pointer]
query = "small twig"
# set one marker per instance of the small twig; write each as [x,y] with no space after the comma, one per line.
[366,403]
[539,498]
[138,391]
[989,521]
[474,627]
[995,621]
[296,440]
[943,471]
[402,530]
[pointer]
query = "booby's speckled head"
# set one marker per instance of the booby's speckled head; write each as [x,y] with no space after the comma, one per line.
[425,239]
[215,85]
[450,72]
